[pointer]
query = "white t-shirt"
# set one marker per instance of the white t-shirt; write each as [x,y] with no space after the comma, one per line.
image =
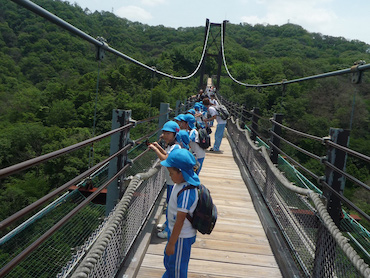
[212,111]
[186,202]
[194,140]
[166,172]
[213,101]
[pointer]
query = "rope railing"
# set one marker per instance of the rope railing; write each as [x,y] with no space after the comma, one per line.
[24,165]
[65,25]
[21,256]
[94,254]
[341,240]
[324,140]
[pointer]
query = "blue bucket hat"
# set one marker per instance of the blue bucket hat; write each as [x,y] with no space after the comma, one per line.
[190,119]
[184,160]
[171,126]
[179,117]
[191,111]
[183,138]
[198,106]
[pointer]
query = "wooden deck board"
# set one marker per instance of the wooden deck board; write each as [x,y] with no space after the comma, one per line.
[238,246]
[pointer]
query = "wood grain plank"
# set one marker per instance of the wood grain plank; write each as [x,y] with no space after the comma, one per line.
[238,246]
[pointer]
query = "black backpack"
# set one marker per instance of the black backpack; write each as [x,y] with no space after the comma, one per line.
[205,214]
[204,138]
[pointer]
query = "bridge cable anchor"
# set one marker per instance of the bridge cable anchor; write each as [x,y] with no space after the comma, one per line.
[100,52]
[356,73]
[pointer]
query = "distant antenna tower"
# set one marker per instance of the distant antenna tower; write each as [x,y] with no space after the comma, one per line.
[288,21]
[112,11]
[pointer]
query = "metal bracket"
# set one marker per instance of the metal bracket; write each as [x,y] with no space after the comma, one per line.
[134,122]
[320,179]
[100,52]
[325,139]
[356,73]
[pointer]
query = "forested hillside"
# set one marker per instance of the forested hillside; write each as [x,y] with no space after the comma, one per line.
[48,81]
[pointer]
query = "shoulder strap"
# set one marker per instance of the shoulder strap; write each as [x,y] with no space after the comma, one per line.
[178,194]
[185,188]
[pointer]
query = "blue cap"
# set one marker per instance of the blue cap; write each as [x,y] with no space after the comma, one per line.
[179,117]
[190,119]
[191,111]
[184,160]
[171,126]
[183,138]
[198,106]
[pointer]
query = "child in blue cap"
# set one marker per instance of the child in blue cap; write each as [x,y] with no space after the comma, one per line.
[169,133]
[198,152]
[182,235]
[183,138]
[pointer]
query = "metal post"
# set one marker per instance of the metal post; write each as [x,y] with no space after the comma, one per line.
[118,141]
[337,158]
[256,113]
[203,66]
[325,253]
[178,104]
[274,140]
[246,116]
[164,118]
[218,86]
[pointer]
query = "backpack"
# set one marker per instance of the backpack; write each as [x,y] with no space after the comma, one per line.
[222,112]
[205,214]
[204,138]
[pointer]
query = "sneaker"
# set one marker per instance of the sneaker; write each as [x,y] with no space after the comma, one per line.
[162,234]
[161,227]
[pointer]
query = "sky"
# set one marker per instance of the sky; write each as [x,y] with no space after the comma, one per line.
[337,18]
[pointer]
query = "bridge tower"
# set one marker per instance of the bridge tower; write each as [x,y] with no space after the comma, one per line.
[215,44]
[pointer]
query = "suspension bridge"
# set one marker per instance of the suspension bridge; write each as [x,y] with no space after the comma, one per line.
[273,220]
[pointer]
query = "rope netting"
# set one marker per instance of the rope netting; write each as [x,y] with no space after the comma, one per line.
[320,248]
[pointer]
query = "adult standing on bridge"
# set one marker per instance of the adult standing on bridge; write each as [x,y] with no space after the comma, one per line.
[221,124]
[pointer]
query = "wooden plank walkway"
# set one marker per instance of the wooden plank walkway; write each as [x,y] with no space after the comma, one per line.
[238,246]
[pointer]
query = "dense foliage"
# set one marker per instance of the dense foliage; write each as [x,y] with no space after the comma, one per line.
[48,81]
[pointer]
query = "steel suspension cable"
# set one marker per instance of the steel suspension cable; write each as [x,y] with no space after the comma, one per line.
[69,27]
[284,82]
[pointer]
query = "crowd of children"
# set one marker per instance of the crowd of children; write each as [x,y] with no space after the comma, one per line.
[183,158]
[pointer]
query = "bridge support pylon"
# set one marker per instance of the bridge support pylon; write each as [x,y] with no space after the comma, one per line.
[118,141]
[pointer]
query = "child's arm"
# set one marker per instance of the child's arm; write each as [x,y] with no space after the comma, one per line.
[160,152]
[180,218]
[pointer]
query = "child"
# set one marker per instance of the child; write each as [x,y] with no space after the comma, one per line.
[169,132]
[199,153]
[183,138]
[182,235]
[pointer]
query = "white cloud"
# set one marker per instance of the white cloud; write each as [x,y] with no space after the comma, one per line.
[152,2]
[311,14]
[134,13]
